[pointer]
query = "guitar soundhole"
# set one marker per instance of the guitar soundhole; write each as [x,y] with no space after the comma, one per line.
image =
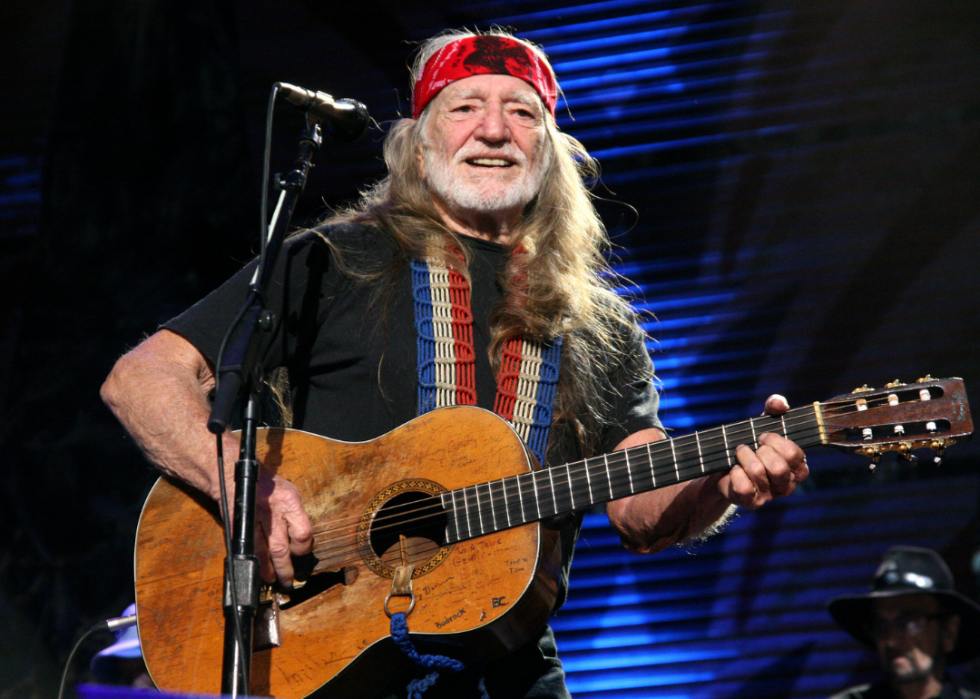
[408,528]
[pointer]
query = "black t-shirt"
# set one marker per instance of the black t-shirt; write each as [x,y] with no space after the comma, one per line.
[348,342]
[350,346]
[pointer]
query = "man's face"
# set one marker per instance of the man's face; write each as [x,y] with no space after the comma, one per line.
[912,637]
[485,148]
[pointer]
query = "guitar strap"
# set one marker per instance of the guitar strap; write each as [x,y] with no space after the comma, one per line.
[528,374]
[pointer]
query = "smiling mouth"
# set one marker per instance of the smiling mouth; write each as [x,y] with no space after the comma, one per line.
[489,162]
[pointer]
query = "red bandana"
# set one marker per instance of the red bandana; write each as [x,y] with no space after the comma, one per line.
[484,55]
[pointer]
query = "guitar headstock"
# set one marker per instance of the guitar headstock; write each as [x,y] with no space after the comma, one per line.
[930,413]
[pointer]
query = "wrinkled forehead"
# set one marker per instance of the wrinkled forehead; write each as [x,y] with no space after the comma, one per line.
[506,88]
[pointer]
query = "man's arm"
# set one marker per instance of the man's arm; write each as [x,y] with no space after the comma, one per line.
[158,391]
[652,521]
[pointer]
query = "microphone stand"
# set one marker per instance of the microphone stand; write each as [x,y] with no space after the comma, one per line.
[239,374]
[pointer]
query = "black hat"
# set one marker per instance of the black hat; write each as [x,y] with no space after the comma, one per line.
[909,570]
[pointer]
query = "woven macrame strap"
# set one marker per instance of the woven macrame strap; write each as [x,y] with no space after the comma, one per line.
[431,664]
[528,374]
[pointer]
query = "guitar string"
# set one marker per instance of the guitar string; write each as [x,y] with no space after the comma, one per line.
[616,461]
[395,555]
[428,546]
[618,476]
[690,472]
[706,438]
[703,440]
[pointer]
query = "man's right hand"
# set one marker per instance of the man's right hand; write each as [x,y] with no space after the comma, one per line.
[159,390]
[282,528]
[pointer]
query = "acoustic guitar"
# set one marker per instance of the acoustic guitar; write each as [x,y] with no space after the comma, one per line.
[449,517]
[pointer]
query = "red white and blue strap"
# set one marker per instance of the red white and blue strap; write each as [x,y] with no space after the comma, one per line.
[526,387]
[444,325]
[528,373]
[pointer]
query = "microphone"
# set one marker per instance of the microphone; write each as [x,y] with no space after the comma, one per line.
[345,119]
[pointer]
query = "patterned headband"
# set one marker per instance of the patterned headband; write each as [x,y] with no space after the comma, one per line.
[484,55]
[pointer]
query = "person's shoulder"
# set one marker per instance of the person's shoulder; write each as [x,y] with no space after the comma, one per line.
[965,693]
[878,690]
[857,692]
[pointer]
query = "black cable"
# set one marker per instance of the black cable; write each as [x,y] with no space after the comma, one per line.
[101,626]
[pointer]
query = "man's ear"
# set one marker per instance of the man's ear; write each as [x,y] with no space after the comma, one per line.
[950,632]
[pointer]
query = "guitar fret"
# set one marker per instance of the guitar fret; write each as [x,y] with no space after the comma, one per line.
[469,515]
[447,505]
[537,498]
[605,461]
[554,502]
[740,434]
[782,419]
[508,498]
[520,494]
[580,483]
[493,500]
[562,493]
[571,488]
[597,489]
[724,436]
[629,470]
[588,480]
[456,509]
[697,438]
[687,456]
[479,508]
[755,437]
[653,466]
[473,497]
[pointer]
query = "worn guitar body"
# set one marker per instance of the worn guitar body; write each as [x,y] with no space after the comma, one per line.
[489,593]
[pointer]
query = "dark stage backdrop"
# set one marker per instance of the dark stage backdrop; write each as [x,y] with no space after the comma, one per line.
[793,185]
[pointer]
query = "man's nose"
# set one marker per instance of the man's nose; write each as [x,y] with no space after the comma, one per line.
[493,128]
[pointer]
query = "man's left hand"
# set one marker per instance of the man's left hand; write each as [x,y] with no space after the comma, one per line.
[769,472]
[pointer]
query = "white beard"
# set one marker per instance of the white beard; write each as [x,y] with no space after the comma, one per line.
[487,195]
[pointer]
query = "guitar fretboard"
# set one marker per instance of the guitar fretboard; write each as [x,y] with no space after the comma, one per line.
[497,505]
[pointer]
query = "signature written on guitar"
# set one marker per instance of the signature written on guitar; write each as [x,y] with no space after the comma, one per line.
[451,618]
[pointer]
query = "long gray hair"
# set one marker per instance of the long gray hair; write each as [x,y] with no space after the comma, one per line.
[566,284]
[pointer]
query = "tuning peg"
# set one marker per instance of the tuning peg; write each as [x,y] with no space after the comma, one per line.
[863,389]
[910,458]
[938,458]
[875,460]
[894,383]
[927,377]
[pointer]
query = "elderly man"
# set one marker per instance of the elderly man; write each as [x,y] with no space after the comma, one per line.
[916,621]
[484,207]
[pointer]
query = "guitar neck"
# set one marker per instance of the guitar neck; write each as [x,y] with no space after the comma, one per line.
[497,505]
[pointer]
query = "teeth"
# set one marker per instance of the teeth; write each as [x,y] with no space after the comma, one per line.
[490,162]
